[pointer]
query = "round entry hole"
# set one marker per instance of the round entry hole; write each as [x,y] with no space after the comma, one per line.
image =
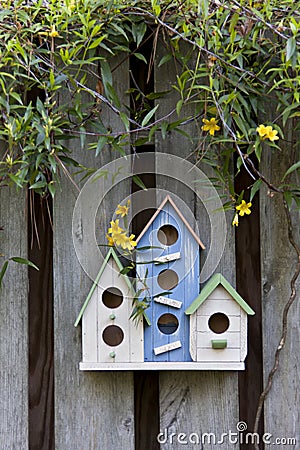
[218,323]
[167,279]
[167,235]
[167,323]
[112,297]
[113,335]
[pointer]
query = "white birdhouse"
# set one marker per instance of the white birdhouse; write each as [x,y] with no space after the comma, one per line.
[187,328]
[218,326]
[110,339]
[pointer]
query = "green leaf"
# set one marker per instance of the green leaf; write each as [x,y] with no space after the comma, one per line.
[256,186]
[288,198]
[164,59]
[141,57]
[148,116]
[96,42]
[125,270]
[102,141]
[138,31]
[38,185]
[291,47]
[19,260]
[105,73]
[138,182]
[3,270]
[125,120]
[51,189]
[291,169]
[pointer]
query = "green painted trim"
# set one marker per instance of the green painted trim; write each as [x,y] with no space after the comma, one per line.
[210,287]
[89,296]
[219,343]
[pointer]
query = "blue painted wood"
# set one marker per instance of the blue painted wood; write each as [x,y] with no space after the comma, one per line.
[187,269]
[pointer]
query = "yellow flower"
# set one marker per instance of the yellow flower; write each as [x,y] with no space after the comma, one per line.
[267,132]
[115,229]
[110,240]
[271,134]
[124,241]
[262,130]
[122,210]
[210,125]
[244,208]
[131,242]
[235,220]
[53,32]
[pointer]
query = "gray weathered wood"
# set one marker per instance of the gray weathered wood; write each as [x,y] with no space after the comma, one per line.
[194,402]
[92,410]
[282,411]
[13,323]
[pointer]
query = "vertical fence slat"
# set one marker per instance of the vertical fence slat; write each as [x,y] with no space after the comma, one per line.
[13,323]
[282,412]
[194,402]
[94,410]
[40,325]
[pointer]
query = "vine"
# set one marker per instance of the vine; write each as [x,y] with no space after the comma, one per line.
[57,64]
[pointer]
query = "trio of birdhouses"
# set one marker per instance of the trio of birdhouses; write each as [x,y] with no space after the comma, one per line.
[186,328]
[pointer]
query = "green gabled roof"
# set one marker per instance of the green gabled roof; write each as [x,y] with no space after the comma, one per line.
[120,267]
[210,287]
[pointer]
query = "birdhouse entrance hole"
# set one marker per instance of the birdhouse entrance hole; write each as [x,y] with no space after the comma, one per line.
[167,235]
[218,323]
[167,279]
[113,335]
[167,323]
[112,297]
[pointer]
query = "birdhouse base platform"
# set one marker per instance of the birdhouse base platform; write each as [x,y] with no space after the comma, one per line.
[162,366]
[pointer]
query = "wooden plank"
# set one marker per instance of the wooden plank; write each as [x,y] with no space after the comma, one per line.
[40,325]
[183,394]
[92,410]
[248,242]
[282,408]
[146,400]
[13,323]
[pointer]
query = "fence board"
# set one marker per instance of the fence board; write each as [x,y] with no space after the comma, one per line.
[282,411]
[194,402]
[13,323]
[92,410]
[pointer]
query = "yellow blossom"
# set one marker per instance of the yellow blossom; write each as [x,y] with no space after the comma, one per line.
[267,132]
[271,134]
[53,32]
[115,228]
[244,208]
[235,220]
[210,125]
[109,240]
[124,241]
[262,130]
[131,242]
[122,210]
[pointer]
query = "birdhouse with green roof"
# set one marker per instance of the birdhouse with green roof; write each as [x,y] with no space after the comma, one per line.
[110,339]
[218,326]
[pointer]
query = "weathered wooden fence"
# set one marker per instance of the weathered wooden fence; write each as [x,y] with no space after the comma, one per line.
[46,402]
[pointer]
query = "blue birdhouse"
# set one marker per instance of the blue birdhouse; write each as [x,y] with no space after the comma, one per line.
[169,267]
